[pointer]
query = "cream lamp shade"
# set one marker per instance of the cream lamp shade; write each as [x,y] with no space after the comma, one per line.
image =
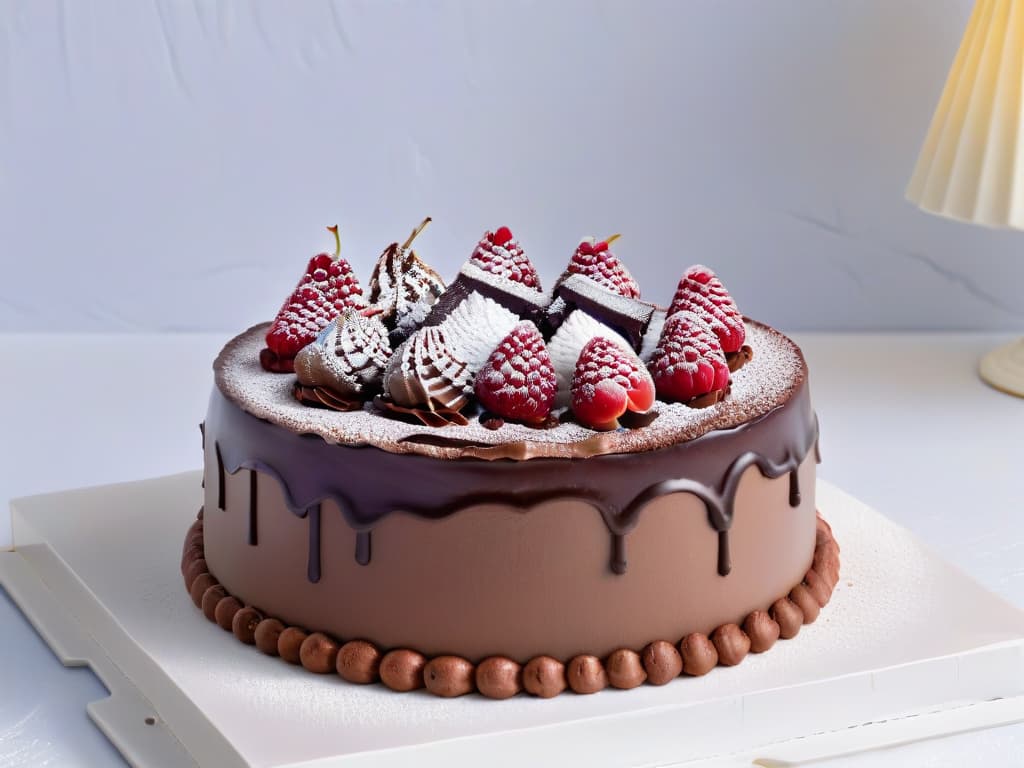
[971,166]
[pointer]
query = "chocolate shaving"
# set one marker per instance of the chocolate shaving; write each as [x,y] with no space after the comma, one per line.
[490,421]
[273,363]
[493,421]
[634,420]
[706,401]
[439,417]
[739,358]
[321,397]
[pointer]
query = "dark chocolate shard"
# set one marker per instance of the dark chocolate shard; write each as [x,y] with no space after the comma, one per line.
[527,303]
[635,420]
[739,358]
[630,317]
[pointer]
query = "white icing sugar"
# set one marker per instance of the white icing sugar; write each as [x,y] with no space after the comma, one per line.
[475,327]
[567,343]
[761,385]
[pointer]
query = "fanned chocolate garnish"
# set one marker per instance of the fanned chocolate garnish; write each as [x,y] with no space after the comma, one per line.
[348,357]
[739,358]
[321,397]
[438,417]
[426,372]
[435,367]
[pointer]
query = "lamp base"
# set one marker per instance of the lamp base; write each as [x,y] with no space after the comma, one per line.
[1003,368]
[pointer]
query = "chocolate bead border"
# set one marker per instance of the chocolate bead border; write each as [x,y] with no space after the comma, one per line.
[497,677]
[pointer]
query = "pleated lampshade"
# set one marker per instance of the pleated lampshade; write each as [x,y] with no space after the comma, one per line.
[971,166]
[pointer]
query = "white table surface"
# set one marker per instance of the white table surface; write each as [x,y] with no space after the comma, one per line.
[906,427]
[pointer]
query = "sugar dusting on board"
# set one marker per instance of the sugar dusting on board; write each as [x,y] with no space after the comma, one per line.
[761,385]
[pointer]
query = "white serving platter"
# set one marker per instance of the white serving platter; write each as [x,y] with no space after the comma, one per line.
[909,648]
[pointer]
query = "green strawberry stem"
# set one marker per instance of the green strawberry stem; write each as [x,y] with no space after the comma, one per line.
[415,232]
[612,239]
[337,240]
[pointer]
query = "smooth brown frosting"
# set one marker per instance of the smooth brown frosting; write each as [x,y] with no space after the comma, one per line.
[449,676]
[211,597]
[318,653]
[359,662]
[732,644]
[544,677]
[788,616]
[194,569]
[244,624]
[224,613]
[267,634]
[662,662]
[199,586]
[289,644]
[699,654]
[498,677]
[625,669]
[806,602]
[818,587]
[402,670]
[762,630]
[585,674]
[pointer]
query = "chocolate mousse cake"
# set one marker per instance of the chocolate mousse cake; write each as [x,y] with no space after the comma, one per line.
[483,486]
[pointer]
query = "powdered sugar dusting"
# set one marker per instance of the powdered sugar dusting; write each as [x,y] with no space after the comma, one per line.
[764,383]
[475,327]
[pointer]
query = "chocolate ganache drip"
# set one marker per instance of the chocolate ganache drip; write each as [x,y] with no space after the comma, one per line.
[619,486]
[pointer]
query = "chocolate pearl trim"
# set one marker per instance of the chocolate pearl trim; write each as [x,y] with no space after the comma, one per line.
[402,669]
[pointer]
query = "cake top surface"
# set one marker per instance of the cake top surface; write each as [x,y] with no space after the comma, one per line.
[764,383]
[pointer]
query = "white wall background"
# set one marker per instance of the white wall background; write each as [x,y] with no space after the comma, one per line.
[170,165]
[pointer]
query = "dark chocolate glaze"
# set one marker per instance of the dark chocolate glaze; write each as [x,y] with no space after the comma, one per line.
[363,547]
[312,516]
[202,432]
[794,489]
[367,483]
[220,477]
[253,489]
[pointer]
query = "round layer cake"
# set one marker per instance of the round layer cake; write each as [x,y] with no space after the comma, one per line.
[585,555]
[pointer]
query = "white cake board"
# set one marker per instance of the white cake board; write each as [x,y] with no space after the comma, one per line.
[908,648]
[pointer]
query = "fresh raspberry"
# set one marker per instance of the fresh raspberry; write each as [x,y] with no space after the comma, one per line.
[500,254]
[594,260]
[501,236]
[327,287]
[607,382]
[701,292]
[518,380]
[688,361]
